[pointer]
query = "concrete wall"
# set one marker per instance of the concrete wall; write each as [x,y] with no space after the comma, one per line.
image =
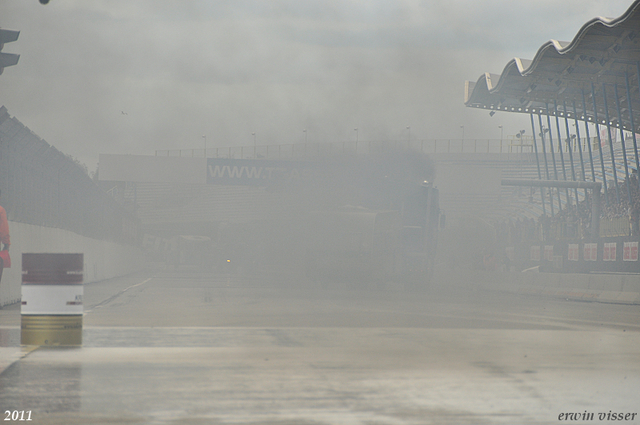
[102,259]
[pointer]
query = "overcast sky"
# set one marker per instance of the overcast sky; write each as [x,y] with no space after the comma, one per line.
[122,76]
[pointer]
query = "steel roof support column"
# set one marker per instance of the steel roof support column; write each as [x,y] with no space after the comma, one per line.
[633,126]
[613,158]
[595,213]
[624,151]
[564,170]
[595,118]
[579,142]
[546,163]
[586,130]
[535,147]
[568,141]
[553,158]
[566,123]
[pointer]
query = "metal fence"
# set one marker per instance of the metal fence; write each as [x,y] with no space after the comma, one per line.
[44,187]
[428,146]
[618,226]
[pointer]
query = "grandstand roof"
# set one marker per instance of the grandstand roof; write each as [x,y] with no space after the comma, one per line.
[603,58]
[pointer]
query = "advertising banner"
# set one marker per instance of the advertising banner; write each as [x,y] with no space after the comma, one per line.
[535,253]
[609,251]
[590,252]
[254,172]
[630,251]
[573,254]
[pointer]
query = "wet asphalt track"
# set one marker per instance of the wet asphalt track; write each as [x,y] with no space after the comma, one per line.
[188,347]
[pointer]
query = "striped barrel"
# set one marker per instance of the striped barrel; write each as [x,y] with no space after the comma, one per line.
[52,290]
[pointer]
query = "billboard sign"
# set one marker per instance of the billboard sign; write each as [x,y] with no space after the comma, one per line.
[254,172]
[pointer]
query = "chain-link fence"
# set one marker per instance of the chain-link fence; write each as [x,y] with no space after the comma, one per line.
[42,186]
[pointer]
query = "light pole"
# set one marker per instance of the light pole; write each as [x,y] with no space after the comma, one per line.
[462,127]
[305,135]
[501,132]
[356,130]
[519,135]
[409,130]
[255,146]
[204,136]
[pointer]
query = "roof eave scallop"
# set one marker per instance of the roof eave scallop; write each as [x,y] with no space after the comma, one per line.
[489,84]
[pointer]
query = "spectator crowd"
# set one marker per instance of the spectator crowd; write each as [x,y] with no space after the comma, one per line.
[574,219]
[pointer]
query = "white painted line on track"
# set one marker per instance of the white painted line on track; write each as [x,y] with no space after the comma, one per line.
[111,298]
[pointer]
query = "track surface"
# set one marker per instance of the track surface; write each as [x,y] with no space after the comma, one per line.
[187,347]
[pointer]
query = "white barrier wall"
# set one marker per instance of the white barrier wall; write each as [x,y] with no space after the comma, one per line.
[102,259]
[608,288]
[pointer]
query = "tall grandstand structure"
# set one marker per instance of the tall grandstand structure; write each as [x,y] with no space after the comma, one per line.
[583,99]
[593,79]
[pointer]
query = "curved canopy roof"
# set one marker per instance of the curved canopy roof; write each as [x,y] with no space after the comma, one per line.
[602,60]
